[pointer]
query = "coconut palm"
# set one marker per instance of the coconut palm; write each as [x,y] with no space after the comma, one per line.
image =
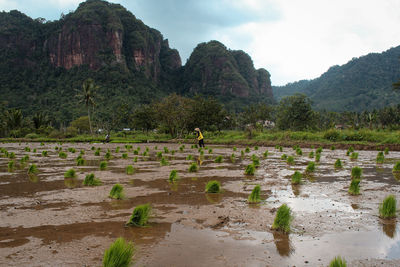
[87,96]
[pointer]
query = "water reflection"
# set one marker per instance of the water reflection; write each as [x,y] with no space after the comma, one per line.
[71,182]
[283,244]
[33,178]
[389,228]
[213,198]
[296,189]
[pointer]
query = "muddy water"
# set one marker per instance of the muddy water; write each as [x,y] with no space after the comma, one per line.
[47,220]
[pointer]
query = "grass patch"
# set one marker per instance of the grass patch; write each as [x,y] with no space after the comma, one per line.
[218,159]
[296,177]
[356,173]
[140,215]
[33,169]
[117,192]
[103,165]
[387,209]
[338,164]
[250,169]
[283,219]
[193,167]
[255,195]
[380,158]
[213,187]
[91,180]
[338,262]
[354,188]
[129,170]
[173,176]
[71,173]
[119,254]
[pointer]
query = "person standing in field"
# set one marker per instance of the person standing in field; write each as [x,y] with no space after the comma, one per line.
[199,137]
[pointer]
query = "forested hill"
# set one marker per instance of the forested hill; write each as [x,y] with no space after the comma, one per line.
[364,83]
[44,63]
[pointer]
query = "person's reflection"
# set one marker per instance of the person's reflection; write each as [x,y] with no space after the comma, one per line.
[283,244]
[296,189]
[389,228]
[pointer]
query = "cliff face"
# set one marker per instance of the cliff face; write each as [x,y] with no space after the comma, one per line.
[213,69]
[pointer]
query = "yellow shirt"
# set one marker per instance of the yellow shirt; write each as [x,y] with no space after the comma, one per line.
[200,136]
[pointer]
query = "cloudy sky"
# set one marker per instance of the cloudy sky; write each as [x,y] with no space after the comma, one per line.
[292,39]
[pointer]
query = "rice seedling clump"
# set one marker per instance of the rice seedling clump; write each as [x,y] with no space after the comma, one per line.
[44,153]
[255,195]
[317,157]
[296,177]
[290,160]
[117,192]
[164,162]
[129,170]
[354,188]
[386,150]
[124,155]
[119,254]
[338,164]
[380,158]
[396,167]
[256,160]
[387,209]
[250,169]
[265,154]
[71,173]
[33,169]
[91,180]
[62,155]
[103,165]
[72,150]
[218,159]
[256,148]
[107,156]
[27,149]
[310,167]
[299,152]
[140,215]
[210,151]
[319,150]
[173,176]
[159,154]
[356,173]
[213,187]
[284,157]
[338,262]
[283,219]
[11,166]
[247,150]
[193,167]
[311,154]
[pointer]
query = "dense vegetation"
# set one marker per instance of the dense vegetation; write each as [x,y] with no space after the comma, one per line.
[363,83]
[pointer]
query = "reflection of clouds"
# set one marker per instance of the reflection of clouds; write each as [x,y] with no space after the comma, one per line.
[283,244]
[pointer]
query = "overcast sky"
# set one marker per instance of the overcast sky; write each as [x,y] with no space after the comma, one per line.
[292,39]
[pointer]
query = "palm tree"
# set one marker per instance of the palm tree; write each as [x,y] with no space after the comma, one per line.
[87,96]
[40,119]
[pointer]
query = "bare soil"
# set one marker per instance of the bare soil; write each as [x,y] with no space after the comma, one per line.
[47,220]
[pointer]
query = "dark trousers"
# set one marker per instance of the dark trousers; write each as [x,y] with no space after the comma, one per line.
[201,143]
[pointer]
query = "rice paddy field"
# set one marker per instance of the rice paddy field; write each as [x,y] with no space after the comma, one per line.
[58,214]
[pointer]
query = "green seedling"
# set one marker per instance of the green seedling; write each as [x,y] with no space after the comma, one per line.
[256,148]
[124,155]
[119,254]
[338,262]
[213,187]
[233,158]
[164,162]
[387,209]
[296,177]
[255,195]
[189,157]
[265,154]
[130,170]
[354,188]
[34,150]
[91,180]
[173,176]
[311,154]
[317,157]
[256,160]
[319,150]
[11,155]
[135,159]
[284,157]
[135,152]
[92,148]
[62,155]
[193,167]
[234,148]
[356,173]
[210,151]
[218,159]
[107,156]
[380,158]
[290,160]
[71,173]
[27,149]
[386,151]
[299,152]
[103,165]
[354,156]
[97,152]
[338,164]
[11,165]
[117,149]
[82,152]
[140,215]
[396,167]
[247,150]
[310,167]
[72,150]
[80,162]
[242,153]
[117,192]
[283,219]
[333,148]
[33,169]
[166,151]
[159,154]
[250,169]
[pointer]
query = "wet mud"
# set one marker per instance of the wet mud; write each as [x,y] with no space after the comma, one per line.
[49,220]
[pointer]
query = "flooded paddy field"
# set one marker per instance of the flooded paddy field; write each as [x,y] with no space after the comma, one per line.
[49,220]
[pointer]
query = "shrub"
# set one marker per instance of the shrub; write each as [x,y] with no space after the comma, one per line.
[311,154]
[380,158]
[173,176]
[129,169]
[62,155]
[103,165]
[71,173]
[33,169]
[354,155]
[117,192]
[255,195]
[283,219]
[11,166]
[338,164]
[119,254]
[213,187]
[140,215]
[124,155]
[164,162]
[218,159]
[356,173]
[284,157]
[91,180]
[256,160]
[354,188]
[310,167]
[193,167]
[290,160]
[388,207]
[296,177]
[338,262]
[250,169]
[396,167]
